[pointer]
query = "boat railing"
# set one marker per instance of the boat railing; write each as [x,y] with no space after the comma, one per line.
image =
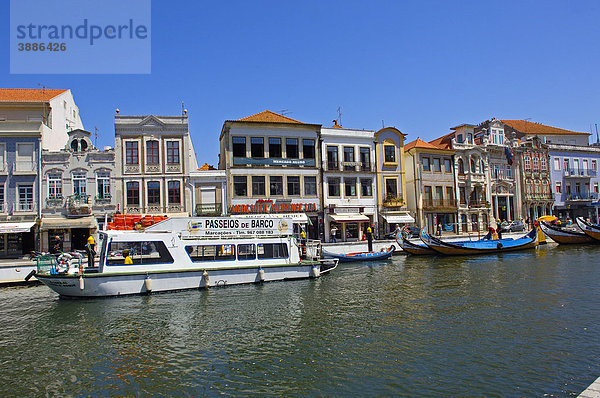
[313,249]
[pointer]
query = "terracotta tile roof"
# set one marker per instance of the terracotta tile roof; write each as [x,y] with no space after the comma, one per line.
[419,143]
[206,167]
[527,127]
[28,94]
[268,117]
[444,142]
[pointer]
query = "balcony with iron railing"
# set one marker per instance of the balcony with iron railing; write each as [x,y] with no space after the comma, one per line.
[580,173]
[350,166]
[25,206]
[102,200]
[430,203]
[55,201]
[393,201]
[78,205]
[580,197]
[209,209]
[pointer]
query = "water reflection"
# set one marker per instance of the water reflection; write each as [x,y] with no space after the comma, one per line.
[517,324]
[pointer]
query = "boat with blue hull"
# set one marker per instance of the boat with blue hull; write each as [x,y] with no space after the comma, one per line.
[188,253]
[487,246]
[360,256]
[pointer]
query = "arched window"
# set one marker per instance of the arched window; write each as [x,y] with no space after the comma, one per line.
[75,145]
[473,165]
[461,167]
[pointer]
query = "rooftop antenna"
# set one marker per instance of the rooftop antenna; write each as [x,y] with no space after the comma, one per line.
[43,87]
[597,137]
[96,132]
[284,112]
[382,124]
[339,118]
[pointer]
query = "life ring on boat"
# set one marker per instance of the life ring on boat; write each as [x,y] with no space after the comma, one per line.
[499,245]
[138,226]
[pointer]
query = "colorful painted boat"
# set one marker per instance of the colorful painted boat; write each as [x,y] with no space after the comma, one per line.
[486,246]
[360,256]
[590,229]
[414,248]
[565,236]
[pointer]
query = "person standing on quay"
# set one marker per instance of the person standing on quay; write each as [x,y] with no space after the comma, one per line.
[333,234]
[370,238]
[91,253]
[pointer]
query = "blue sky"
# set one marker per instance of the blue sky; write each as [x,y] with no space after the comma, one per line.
[421,66]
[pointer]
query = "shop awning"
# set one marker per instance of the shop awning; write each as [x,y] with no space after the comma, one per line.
[63,223]
[15,227]
[398,218]
[349,217]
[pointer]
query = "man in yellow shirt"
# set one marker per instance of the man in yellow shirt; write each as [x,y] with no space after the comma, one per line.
[128,259]
[91,252]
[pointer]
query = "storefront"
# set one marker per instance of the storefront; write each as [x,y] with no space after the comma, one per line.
[391,219]
[433,220]
[349,226]
[16,239]
[67,234]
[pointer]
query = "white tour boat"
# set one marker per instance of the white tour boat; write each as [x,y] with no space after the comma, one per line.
[189,253]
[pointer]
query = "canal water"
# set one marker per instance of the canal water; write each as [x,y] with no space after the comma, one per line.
[518,325]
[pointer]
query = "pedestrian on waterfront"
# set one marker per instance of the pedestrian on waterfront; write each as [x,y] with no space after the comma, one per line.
[397,230]
[370,238]
[91,252]
[439,230]
[333,234]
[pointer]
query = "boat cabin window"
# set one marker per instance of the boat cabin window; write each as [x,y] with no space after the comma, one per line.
[246,252]
[139,252]
[200,253]
[272,250]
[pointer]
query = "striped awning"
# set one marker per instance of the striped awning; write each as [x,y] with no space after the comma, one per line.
[15,227]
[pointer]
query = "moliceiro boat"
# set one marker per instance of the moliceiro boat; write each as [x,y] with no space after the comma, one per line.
[565,236]
[361,256]
[413,247]
[188,253]
[480,246]
[590,229]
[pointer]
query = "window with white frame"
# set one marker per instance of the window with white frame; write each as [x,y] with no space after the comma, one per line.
[2,206]
[25,197]
[556,163]
[595,187]
[594,164]
[25,154]
[543,164]
[527,163]
[79,184]
[153,191]
[55,186]
[173,152]
[508,171]
[558,187]
[2,157]
[103,183]
[500,137]
[174,194]
[536,164]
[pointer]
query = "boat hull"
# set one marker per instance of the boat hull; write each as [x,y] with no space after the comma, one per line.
[354,257]
[480,247]
[591,230]
[107,285]
[413,248]
[565,237]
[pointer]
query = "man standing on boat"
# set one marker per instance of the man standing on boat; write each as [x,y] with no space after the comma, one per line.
[370,238]
[91,253]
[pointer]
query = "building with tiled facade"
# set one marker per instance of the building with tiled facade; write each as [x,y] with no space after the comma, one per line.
[31,120]
[349,194]
[272,166]
[77,192]
[430,187]
[391,180]
[154,157]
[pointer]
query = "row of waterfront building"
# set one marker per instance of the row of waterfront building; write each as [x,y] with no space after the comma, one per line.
[55,182]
